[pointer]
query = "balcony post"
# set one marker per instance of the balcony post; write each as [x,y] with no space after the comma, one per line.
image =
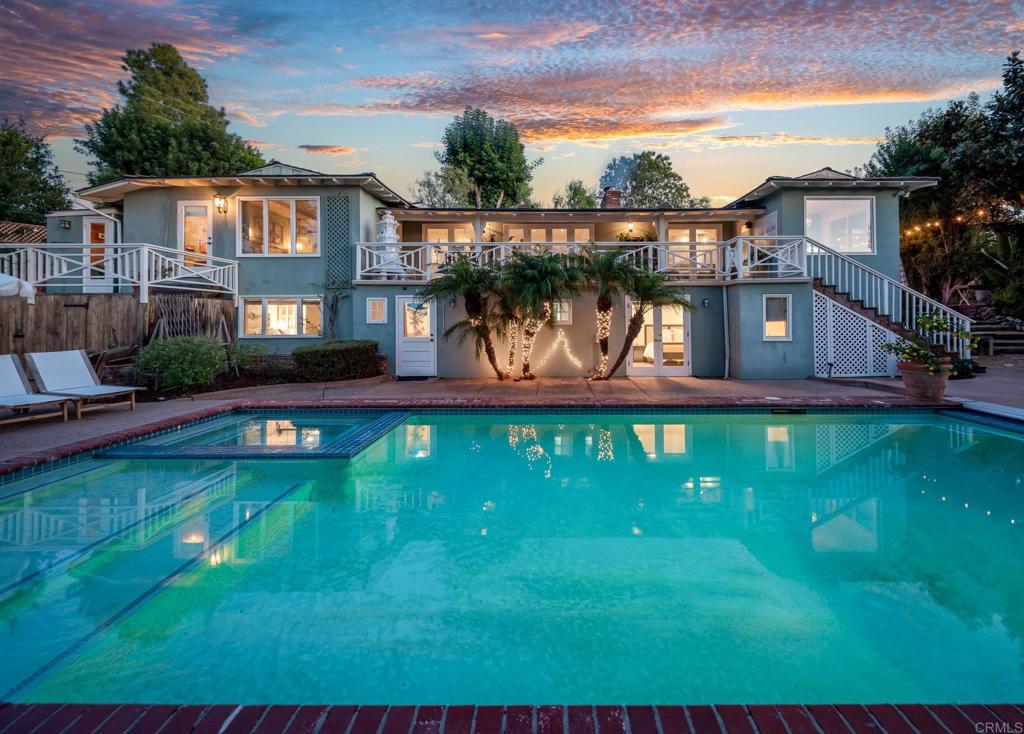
[143,274]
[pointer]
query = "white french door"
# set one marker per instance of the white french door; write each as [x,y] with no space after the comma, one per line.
[415,344]
[98,276]
[195,231]
[662,348]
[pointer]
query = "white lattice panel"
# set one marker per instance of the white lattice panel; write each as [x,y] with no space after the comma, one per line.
[847,344]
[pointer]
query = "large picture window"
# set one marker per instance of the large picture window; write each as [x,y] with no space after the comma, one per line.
[844,224]
[278,226]
[270,316]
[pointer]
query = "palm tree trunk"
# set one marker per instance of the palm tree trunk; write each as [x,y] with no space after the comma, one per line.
[604,320]
[475,312]
[513,346]
[530,329]
[636,323]
[492,356]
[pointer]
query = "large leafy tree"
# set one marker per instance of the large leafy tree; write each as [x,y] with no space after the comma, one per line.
[447,188]
[647,181]
[30,184]
[491,156]
[165,124]
[575,196]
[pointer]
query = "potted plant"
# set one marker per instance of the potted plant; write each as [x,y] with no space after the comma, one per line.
[925,372]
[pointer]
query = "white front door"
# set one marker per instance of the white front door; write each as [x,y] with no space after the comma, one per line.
[662,348]
[98,276]
[415,325]
[195,231]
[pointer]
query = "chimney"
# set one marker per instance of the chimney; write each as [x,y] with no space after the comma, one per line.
[611,198]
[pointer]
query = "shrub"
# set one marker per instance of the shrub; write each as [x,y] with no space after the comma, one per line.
[348,359]
[182,362]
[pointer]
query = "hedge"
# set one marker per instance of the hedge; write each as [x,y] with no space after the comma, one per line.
[182,362]
[348,359]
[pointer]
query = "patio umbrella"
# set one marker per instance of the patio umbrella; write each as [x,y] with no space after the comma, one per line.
[11,286]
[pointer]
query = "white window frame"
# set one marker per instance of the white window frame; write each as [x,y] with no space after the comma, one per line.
[690,227]
[873,249]
[789,458]
[789,317]
[369,318]
[569,227]
[567,321]
[263,316]
[266,227]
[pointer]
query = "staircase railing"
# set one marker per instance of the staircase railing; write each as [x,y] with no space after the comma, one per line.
[900,303]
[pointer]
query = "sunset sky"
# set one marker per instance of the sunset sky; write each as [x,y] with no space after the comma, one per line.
[732,91]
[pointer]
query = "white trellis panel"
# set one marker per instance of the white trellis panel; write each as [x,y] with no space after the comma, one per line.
[847,344]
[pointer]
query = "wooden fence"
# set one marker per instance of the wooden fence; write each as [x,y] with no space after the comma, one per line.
[108,321]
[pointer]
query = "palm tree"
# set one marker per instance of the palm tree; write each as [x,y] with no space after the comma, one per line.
[531,283]
[474,284]
[608,274]
[646,291]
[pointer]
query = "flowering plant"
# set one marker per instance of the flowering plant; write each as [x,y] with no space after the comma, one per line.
[919,347]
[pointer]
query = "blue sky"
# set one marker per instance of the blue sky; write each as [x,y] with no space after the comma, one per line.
[732,91]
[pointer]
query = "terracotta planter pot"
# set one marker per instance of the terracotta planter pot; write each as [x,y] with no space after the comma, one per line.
[919,383]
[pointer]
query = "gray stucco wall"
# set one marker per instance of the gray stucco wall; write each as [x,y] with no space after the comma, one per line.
[61,236]
[789,203]
[753,358]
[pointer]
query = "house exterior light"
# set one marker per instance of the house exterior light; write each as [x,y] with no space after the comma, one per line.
[221,204]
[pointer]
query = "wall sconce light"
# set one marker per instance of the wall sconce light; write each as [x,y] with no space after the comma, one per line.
[221,203]
[747,226]
[65,224]
[629,228]
[706,303]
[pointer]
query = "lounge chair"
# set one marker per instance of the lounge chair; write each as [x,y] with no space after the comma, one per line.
[17,395]
[70,373]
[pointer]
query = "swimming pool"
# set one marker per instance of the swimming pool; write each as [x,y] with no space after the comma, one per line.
[533,558]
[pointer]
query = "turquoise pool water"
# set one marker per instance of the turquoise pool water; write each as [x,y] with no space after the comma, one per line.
[299,429]
[532,559]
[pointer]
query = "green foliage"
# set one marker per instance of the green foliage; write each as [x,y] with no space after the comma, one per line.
[182,362]
[647,181]
[165,125]
[576,196]
[532,282]
[30,184]
[1003,270]
[489,154]
[448,188]
[919,348]
[347,359]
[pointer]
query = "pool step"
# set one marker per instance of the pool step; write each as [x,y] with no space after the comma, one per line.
[345,447]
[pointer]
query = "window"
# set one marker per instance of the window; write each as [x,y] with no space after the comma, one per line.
[561,312]
[779,454]
[282,316]
[844,224]
[376,310]
[278,226]
[777,319]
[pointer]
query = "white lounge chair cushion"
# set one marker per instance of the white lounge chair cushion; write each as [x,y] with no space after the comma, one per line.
[24,401]
[95,391]
[11,380]
[60,371]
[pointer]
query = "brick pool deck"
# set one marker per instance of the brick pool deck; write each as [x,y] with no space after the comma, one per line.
[227,719]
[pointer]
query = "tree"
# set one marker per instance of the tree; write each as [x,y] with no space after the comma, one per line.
[1004,272]
[448,188]
[473,284]
[608,275]
[646,291]
[575,196]
[939,225]
[30,184]
[529,284]
[491,155]
[647,181]
[165,125]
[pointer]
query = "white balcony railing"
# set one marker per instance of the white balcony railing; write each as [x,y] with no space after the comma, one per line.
[116,267]
[739,258]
